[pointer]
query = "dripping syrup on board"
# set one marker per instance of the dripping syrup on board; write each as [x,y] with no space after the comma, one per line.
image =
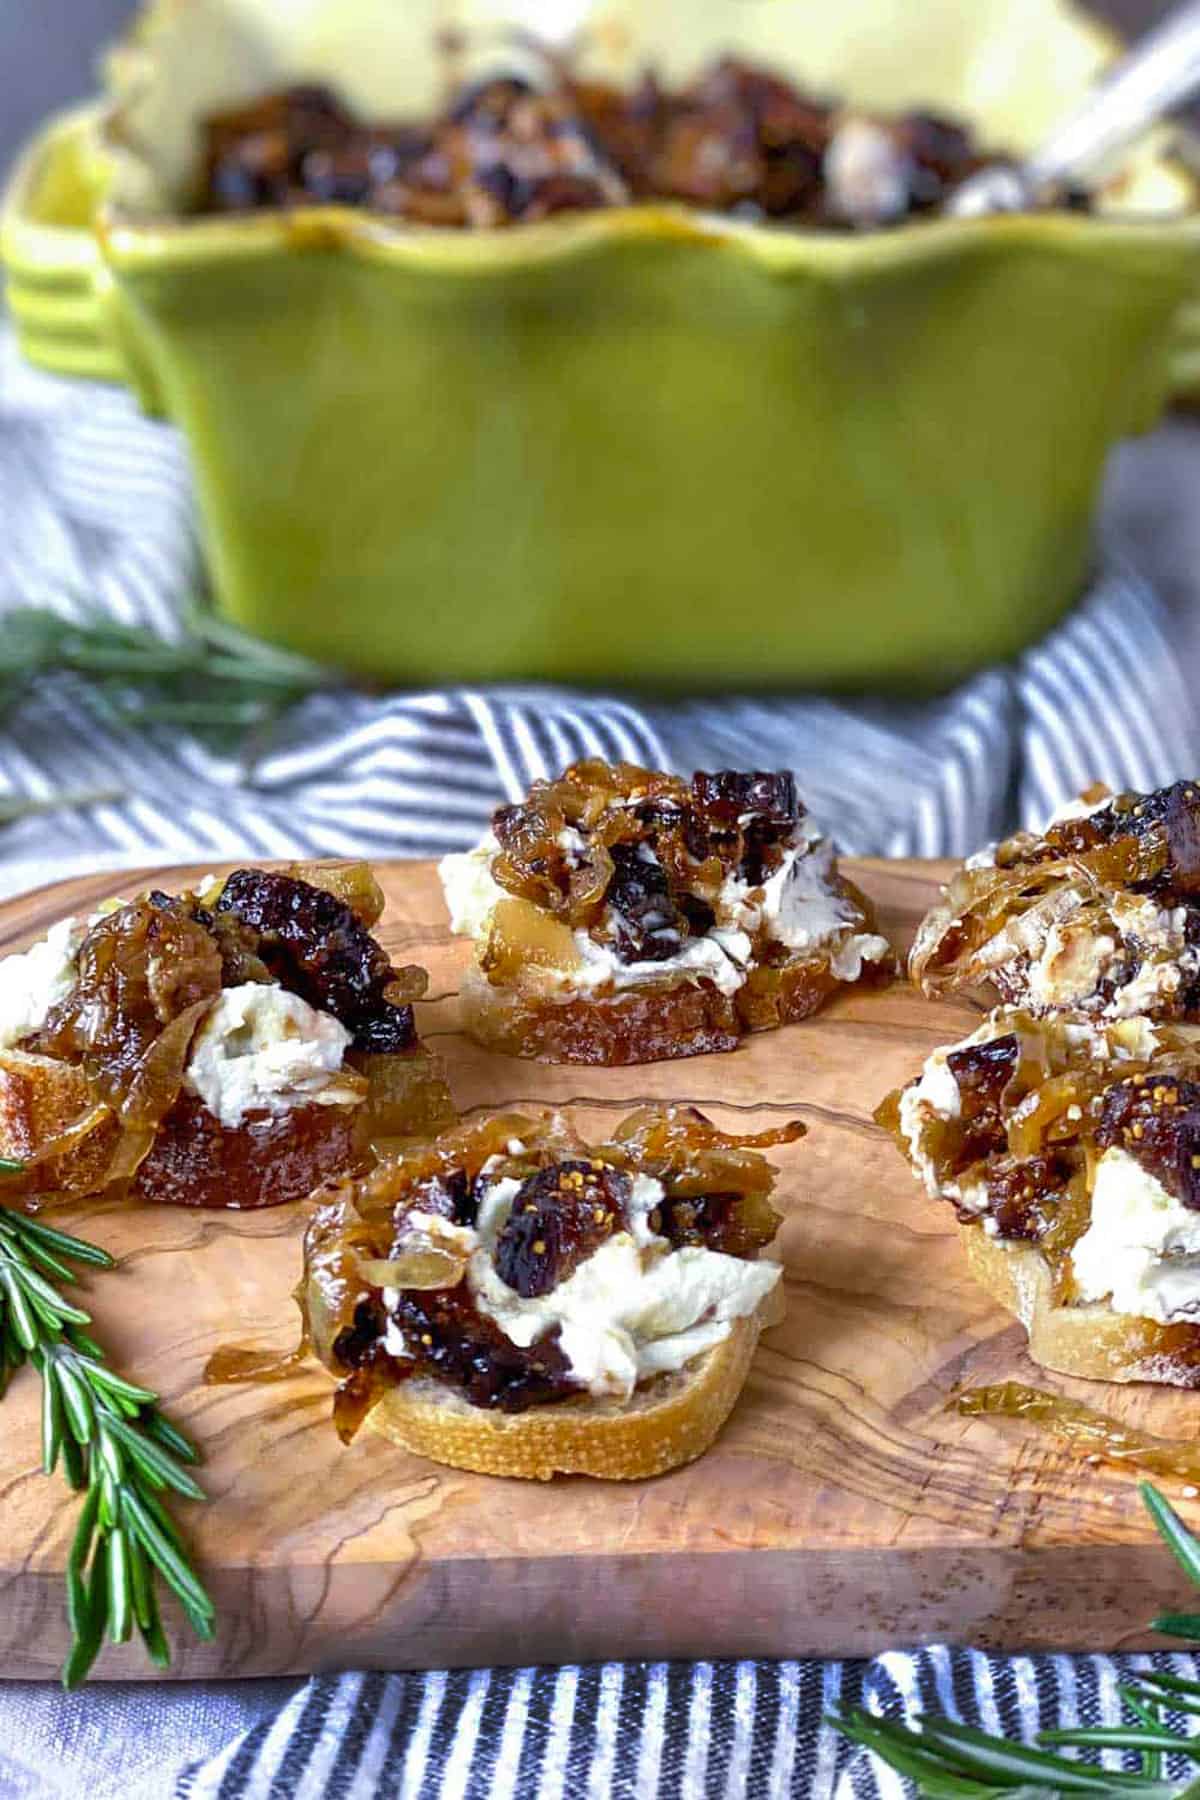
[233,1364]
[1092,1432]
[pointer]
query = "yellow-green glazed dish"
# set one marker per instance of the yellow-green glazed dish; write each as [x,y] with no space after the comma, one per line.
[55,273]
[639,446]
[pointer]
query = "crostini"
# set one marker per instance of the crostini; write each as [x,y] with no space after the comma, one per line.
[234,1046]
[514,1300]
[1100,913]
[1069,1149]
[622,915]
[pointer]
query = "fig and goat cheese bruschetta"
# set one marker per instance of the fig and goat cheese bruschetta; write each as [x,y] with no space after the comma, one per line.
[514,1300]
[1099,913]
[236,1046]
[1069,1148]
[622,915]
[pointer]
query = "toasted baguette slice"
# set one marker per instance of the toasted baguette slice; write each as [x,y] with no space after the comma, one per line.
[641,1025]
[39,1098]
[193,1161]
[669,1422]
[1093,1340]
[684,1017]
[266,1160]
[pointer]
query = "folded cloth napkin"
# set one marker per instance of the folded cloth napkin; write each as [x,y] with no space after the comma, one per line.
[96,512]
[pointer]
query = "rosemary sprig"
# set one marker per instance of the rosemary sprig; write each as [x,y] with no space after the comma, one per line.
[113,1445]
[949,1761]
[27,806]
[214,679]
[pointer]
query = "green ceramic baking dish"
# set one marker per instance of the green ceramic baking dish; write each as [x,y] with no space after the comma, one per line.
[639,447]
[645,446]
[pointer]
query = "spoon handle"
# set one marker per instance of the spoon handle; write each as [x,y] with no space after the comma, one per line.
[1160,73]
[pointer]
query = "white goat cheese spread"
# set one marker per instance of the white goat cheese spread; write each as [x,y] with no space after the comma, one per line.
[796,906]
[37,979]
[261,1049]
[1070,966]
[719,956]
[471,893]
[1142,1248]
[860,947]
[633,1309]
[934,1095]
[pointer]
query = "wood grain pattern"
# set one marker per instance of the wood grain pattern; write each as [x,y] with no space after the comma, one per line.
[843,1509]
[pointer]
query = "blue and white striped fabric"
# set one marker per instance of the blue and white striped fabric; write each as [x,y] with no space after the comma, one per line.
[626,1731]
[95,508]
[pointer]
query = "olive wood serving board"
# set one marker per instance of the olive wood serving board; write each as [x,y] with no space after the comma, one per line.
[843,1509]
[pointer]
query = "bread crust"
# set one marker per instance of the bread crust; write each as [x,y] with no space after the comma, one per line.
[1091,1340]
[650,1024]
[680,1018]
[669,1422]
[266,1160]
[40,1097]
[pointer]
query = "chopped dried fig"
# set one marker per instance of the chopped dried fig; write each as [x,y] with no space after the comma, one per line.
[559,1217]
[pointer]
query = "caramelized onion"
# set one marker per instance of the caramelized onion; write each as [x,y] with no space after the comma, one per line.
[353,883]
[423,1265]
[521,936]
[69,1136]
[139,968]
[697,834]
[155,1085]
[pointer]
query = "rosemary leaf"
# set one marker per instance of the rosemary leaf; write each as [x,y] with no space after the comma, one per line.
[111,1443]
[1181,1625]
[1173,1532]
[35,1232]
[27,806]
[214,678]
[1123,1737]
[120,1593]
[947,1760]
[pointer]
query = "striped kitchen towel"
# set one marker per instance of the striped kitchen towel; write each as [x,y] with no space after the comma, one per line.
[95,502]
[629,1731]
[611,1731]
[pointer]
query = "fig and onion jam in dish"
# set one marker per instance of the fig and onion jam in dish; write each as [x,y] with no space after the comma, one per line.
[737,140]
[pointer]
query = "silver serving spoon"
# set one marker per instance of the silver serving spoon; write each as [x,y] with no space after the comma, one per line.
[1160,73]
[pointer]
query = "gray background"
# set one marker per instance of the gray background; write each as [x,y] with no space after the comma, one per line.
[48,48]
